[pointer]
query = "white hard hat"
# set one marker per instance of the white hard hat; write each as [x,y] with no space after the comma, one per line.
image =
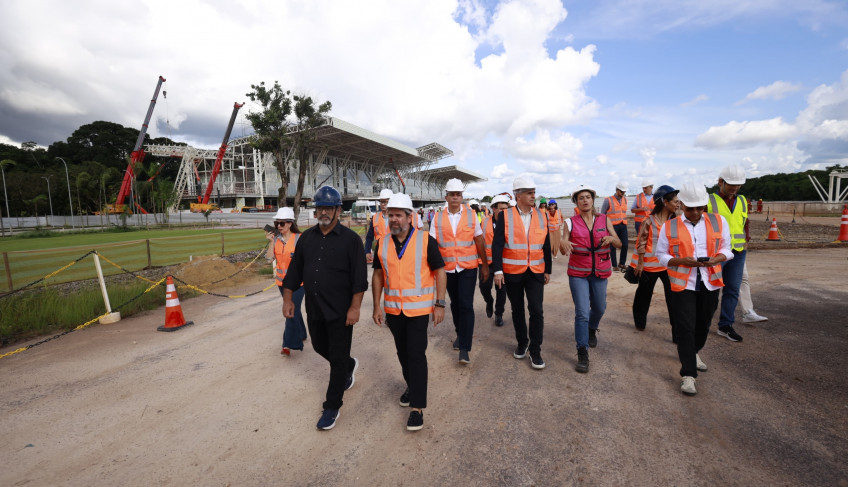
[621,185]
[733,175]
[693,194]
[400,200]
[511,202]
[473,202]
[284,214]
[523,182]
[454,185]
[582,187]
[501,198]
[385,194]
[647,182]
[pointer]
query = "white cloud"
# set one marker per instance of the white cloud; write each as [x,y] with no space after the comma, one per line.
[695,101]
[746,134]
[502,171]
[775,91]
[648,154]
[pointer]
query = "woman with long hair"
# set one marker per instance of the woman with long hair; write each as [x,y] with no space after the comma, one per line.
[646,264]
[283,241]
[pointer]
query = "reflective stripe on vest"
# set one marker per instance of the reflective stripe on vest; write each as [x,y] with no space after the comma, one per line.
[457,250]
[617,212]
[642,201]
[409,284]
[680,245]
[736,219]
[587,257]
[518,253]
[650,260]
[283,252]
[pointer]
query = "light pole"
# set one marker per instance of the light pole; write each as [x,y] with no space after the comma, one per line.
[49,196]
[6,195]
[70,201]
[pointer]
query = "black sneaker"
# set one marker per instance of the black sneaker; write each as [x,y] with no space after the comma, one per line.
[582,360]
[328,419]
[520,351]
[490,309]
[463,357]
[593,338]
[729,333]
[352,377]
[404,398]
[536,361]
[499,320]
[456,344]
[416,421]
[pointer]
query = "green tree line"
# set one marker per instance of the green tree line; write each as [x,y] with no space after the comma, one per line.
[786,186]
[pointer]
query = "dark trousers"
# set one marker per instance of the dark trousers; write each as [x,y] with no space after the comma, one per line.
[410,335]
[644,294]
[331,339]
[517,287]
[621,232]
[460,288]
[500,294]
[692,313]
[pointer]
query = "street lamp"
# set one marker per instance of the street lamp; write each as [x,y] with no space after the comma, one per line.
[49,196]
[70,201]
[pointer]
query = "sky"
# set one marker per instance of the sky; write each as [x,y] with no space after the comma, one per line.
[590,92]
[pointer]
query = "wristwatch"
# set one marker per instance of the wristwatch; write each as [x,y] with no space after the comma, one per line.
[440,303]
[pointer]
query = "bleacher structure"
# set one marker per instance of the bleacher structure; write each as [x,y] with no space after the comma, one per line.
[357,162]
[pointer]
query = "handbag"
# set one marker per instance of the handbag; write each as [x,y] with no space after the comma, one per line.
[630,275]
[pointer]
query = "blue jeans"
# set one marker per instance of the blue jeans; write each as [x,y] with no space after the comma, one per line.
[731,273]
[590,301]
[295,330]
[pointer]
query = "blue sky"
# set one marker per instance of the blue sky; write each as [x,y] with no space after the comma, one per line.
[589,92]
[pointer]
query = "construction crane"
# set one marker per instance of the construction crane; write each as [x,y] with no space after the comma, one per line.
[136,157]
[203,204]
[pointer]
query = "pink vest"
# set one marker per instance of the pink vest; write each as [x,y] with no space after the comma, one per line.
[587,257]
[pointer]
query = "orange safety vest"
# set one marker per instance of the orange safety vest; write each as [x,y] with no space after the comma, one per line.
[650,261]
[680,245]
[617,212]
[457,249]
[555,221]
[283,253]
[381,226]
[489,235]
[642,200]
[409,285]
[521,252]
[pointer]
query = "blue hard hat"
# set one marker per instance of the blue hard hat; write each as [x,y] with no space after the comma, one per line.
[552,202]
[664,191]
[327,196]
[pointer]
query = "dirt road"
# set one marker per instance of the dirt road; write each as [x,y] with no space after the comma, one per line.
[216,404]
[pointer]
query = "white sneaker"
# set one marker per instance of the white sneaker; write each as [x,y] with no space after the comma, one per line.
[688,386]
[752,317]
[699,364]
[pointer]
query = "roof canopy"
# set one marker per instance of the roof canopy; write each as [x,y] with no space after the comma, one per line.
[449,172]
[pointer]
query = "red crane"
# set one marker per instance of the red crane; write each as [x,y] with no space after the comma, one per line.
[136,157]
[203,203]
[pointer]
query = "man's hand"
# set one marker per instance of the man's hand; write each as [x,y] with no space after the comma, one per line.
[369,258]
[288,309]
[499,280]
[269,236]
[438,315]
[484,273]
[377,316]
[547,278]
[352,316]
[639,267]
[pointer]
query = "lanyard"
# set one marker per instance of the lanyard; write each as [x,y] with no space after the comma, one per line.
[408,238]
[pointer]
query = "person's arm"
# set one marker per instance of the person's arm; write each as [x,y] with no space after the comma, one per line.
[612,238]
[369,241]
[441,285]
[641,244]
[269,254]
[605,206]
[480,243]
[498,241]
[565,246]
[549,263]
[376,294]
[353,311]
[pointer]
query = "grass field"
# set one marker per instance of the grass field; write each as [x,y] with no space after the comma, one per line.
[89,239]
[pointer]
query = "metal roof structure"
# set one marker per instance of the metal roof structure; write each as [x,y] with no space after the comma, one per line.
[450,172]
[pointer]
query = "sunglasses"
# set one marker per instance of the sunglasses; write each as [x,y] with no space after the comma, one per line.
[281,223]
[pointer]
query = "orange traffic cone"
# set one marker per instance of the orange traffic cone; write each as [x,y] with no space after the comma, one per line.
[773,230]
[843,228]
[174,319]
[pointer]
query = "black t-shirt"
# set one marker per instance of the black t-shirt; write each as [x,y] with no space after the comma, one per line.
[434,257]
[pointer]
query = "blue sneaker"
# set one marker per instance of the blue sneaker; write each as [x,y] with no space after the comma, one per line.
[328,419]
[352,378]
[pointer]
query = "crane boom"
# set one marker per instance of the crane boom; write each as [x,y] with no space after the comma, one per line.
[203,202]
[138,152]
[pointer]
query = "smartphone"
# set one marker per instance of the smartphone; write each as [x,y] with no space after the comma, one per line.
[703,259]
[269,228]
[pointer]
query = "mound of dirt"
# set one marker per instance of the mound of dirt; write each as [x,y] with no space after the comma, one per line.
[214,272]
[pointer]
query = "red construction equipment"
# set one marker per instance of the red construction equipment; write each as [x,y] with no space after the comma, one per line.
[773,235]
[136,157]
[203,203]
[843,227]
[174,319]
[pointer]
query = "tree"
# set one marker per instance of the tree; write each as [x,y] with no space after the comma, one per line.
[271,125]
[304,137]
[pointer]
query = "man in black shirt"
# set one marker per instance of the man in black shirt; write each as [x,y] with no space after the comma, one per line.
[330,261]
[412,273]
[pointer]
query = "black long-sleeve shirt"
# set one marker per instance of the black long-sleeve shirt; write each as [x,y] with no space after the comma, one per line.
[332,268]
[499,240]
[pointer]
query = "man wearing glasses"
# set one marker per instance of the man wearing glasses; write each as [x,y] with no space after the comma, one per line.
[329,260]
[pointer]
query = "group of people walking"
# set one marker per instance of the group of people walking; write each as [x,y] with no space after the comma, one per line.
[509,248]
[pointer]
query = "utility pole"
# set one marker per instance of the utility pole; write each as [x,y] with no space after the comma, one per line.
[70,201]
[49,196]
